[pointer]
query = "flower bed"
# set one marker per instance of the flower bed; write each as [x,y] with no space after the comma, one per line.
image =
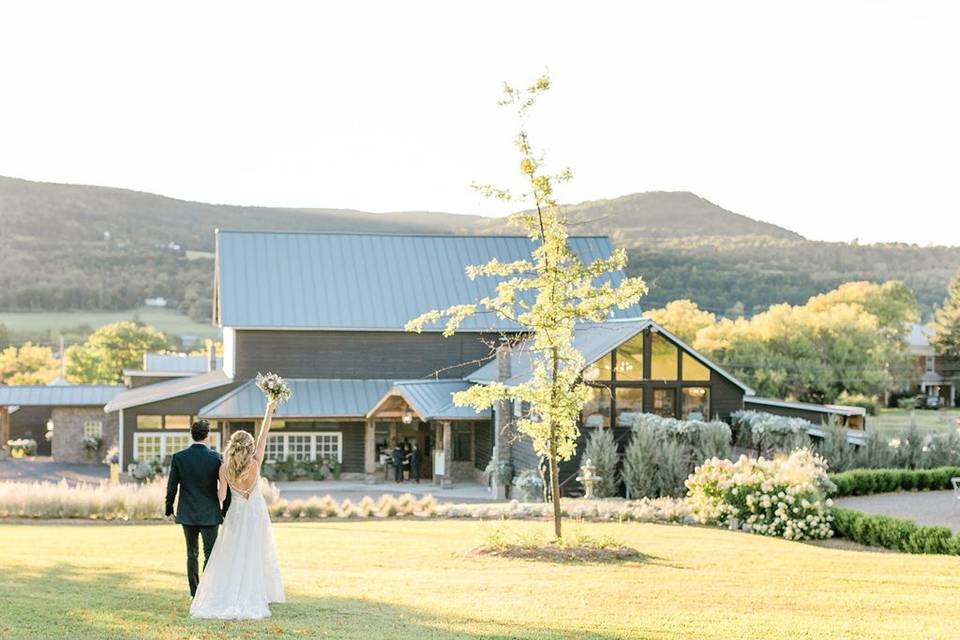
[784,497]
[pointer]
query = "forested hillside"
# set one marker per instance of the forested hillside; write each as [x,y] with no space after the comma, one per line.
[71,247]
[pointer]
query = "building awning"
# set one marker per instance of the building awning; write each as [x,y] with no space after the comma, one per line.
[169,389]
[66,395]
[593,341]
[312,398]
[832,409]
[432,400]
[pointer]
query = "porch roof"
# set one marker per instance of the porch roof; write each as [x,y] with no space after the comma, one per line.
[432,399]
[312,398]
[170,389]
[61,395]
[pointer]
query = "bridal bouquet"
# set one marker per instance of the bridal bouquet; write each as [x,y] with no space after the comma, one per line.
[274,387]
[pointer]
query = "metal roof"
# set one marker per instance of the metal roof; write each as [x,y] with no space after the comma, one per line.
[312,398]
[277,280]
[66,395]
[593,341]
[835,409]
[177,363]
[433,399]
[169,389]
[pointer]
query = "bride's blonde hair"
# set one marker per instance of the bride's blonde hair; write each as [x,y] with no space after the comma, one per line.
[238,455]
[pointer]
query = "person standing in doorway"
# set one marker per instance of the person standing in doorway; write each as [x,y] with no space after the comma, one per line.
[415,460]
[396,457]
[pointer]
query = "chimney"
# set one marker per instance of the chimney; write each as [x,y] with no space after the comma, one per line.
[503,360]
[211,357]
[503,432]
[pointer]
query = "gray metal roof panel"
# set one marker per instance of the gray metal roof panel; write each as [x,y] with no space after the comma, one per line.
[168,389]
[363,281]
[176,363]
[312,398]
[433,399]
[807,406]
[68,395]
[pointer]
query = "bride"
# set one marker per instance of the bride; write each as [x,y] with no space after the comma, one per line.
[243,574]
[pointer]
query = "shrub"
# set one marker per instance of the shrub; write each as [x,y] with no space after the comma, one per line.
[908,450]
[295,509]
[90,501]
[278,509]
[427,505]
[601,451]
[312,508]
[870,403]
[893,533]
[672,469]
[770,434]
[90,443]
[22,446]
[835,449]
[784,497]
[862,482]
[874,453]
[640,464]
[529,486]
[387,506]
[406,505]
[347,509]
[943,450]
[710,440]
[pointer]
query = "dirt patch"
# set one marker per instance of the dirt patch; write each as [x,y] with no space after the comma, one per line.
[563,553]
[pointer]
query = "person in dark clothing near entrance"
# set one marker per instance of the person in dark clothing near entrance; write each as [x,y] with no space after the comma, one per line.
[415,459]
[396,457]
[195,474]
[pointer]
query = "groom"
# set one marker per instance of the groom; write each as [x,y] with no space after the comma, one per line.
[196,470]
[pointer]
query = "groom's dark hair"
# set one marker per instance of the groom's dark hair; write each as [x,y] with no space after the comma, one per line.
[200,430]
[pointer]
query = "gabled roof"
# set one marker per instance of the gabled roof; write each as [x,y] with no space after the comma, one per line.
[433,399]
[593,341]
[274,280]
[66,395]
[168,389]
[312,398]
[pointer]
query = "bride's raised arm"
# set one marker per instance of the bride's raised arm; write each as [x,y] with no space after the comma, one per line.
[264,431]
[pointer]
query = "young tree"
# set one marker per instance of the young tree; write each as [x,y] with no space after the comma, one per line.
[946,337]
[545,295]
[30,364]
[111,349]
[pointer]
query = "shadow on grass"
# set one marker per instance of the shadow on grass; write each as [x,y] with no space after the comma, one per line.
[64,602]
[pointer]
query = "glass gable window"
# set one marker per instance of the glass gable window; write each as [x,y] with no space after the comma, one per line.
[177,422]
[149,422]
[596,412]
[694,370]
[663,358]
[629,405]
[630,359]
[599,370]
[695,403]
[664,402]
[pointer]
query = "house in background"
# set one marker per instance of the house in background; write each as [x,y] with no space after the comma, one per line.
[70,412]
[938,379]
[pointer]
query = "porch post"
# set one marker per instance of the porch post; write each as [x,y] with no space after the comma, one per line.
[4,429]
[502,423]
[447,480]
[370,451]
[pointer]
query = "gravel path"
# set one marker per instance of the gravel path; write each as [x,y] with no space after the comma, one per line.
[42,469]
[923,507]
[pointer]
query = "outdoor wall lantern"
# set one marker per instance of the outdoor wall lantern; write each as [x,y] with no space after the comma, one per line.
[407,416]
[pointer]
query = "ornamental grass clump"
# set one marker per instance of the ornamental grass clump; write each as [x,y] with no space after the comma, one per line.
[347,509]
[783,497]
[387,506]
[366,508]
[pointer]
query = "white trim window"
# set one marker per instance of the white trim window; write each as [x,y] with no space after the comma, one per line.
[93,428]
[157,446]
[305,446]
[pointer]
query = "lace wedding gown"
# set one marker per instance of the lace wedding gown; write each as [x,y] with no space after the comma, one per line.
[242,575]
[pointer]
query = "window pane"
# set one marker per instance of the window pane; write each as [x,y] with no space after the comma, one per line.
[596,413]
[663,362]
[298,447]
[693,369]
[695,403]
[328,446]
[177,442]
[149,422]
[147,448]
[630,359]
[629,404]
[177,422]
[93,428]
[274,449]
[664,401]
[599,370]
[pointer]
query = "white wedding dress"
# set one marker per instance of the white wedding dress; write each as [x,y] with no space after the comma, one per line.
[242,575]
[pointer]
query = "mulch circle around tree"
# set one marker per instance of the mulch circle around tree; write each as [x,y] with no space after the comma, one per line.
[562,553]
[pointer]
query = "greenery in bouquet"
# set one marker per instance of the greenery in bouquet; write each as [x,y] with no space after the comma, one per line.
[274,387]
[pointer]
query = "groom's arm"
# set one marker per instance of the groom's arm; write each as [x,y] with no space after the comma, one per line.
[173,482]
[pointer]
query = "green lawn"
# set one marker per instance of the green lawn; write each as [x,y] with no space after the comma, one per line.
[894,422]
[417,579]
[166,320]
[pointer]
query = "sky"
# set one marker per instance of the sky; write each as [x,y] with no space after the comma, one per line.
[839,120]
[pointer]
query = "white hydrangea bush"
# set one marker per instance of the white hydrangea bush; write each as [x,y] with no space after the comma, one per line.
[781,497]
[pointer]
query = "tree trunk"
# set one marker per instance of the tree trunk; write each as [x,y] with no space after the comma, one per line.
[555,481]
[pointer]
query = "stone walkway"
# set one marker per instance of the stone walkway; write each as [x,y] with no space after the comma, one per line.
[42,469]
[923,507]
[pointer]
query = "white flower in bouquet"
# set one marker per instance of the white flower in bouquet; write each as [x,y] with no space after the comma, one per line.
[274,387]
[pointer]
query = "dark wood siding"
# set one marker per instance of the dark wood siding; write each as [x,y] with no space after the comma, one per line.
[358,354]
[351,439]
[725,397]
[483,441]
[523,455]
[31,422]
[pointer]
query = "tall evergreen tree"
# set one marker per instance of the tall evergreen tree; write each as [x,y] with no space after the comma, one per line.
[946,337]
